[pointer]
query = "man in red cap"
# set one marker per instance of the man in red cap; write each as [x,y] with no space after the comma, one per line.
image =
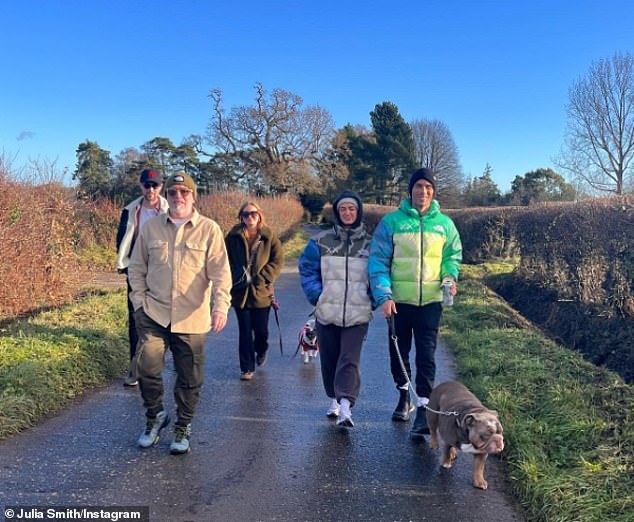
[133,217]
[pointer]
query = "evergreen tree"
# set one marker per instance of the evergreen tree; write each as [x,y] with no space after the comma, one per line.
[540,185]
[393,157]
[482,191]
[93,170]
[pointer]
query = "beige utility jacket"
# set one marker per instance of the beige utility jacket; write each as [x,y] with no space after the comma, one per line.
[180,275]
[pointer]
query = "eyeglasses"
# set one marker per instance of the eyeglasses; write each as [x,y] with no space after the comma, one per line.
[175,192]
[249,213]
[149,186]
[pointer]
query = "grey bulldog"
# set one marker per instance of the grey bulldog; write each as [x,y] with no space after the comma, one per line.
[471,428]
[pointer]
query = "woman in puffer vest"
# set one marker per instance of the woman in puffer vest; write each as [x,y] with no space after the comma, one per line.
[334,276]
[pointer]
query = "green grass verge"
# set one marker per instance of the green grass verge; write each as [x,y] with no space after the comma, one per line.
[295,245]
[48,359]
[98,256]
[568,425]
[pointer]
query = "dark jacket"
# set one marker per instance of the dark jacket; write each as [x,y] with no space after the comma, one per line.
[265,270]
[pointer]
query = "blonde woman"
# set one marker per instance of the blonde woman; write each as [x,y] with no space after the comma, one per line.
[256,260]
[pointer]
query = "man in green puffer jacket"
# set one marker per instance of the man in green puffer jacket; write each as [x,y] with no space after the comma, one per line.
[414,250]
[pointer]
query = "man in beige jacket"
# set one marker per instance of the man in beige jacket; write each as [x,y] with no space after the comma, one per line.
[180,279]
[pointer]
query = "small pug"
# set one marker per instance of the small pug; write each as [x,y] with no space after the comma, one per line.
[473,429]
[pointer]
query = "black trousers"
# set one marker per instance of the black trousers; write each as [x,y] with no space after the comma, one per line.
[132,333]
[253,335]
[421,322]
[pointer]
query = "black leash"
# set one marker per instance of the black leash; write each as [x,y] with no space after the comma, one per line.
[275,304]
[417,400]
[390,324]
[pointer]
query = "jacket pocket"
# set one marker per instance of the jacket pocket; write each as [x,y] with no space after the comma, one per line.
[194,254]
[158,252]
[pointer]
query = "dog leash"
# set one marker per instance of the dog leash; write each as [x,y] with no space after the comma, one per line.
[299,344]
[275,304]
[417,400]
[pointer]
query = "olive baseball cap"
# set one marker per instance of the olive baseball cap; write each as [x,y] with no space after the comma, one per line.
[182,179]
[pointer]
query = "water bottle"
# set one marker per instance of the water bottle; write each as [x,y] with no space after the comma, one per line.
[447,298]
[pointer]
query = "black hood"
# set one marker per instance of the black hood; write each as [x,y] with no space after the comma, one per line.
[353,195]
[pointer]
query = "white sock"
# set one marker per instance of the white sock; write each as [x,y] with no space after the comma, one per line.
[345,407]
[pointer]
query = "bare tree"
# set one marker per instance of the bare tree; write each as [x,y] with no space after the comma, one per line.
[38,171]
[436,149]
[7,170]
[45,172]
[273,145]
[599,143]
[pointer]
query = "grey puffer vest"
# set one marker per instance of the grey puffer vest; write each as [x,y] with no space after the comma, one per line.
[345,299]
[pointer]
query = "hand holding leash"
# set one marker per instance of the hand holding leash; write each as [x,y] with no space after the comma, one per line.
[388,308]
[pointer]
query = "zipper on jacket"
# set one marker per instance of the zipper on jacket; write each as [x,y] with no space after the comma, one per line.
[422,263]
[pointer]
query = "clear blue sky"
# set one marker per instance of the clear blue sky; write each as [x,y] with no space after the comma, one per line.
[120,73]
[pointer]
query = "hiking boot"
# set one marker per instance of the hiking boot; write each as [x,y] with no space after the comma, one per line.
[246,376]
[345,415]
[153,429]
[420,427]
[180,444]
[333,410]
[260,359]
[404,407]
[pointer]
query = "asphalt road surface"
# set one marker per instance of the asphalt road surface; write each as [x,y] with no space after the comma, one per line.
[262,450]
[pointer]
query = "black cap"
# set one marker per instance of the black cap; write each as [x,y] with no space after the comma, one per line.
[150,176]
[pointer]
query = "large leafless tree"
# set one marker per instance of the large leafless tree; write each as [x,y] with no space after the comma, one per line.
[599,142]
[274,145]
[436,149]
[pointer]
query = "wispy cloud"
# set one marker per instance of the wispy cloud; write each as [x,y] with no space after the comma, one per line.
[25,135]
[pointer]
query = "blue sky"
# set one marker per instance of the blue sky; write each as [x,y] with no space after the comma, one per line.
[120,73]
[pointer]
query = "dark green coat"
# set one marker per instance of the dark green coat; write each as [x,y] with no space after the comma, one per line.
[265,270]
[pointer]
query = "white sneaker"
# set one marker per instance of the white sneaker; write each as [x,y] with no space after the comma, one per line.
[333,410]
[345,415]
[153,429]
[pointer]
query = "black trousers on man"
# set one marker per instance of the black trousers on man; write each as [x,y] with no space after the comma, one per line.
[421,323]
[133,337]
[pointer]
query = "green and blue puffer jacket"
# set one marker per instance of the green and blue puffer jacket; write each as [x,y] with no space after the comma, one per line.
[411,254]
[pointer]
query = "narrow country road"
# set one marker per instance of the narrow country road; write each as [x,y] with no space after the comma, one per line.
[261,450]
